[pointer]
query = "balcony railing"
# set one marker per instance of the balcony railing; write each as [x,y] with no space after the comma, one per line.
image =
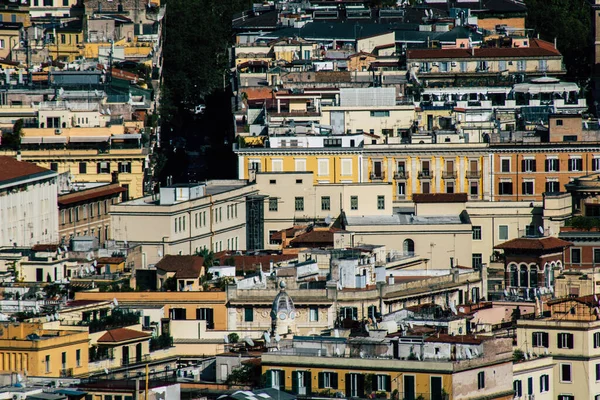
[473,173]
[425,174]
[449,175]
[401,175]
[380,176]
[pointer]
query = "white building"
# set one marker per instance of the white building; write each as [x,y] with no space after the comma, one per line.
[28,210]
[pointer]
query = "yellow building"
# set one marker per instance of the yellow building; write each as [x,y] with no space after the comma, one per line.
[88,154]
[42,352]
[68,42]
[364,367]
[9,38]
[15,12]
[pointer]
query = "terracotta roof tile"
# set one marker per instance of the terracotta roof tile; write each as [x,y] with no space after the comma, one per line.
[89,194]
[11,169]
[545,243]
[537,48]
[183,266]
[316,236]
[122,335]
[440,197]
[248,262]
[44,247]
[111,260]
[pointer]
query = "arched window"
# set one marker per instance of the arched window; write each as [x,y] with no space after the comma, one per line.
[533,276]
[514,276]
[523,276]
[408,247]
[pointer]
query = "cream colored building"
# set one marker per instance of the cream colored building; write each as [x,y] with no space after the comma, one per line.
[28,211]
[187,218]
[533,379]
[376,120]
[571,336]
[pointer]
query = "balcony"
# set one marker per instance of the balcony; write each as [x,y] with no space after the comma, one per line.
[473,174]
[401,175]
[66,372]
[377,176]
[449,175]
[425,174]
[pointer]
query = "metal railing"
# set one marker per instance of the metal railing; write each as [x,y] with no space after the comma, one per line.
[380,176]
[401,175]
[425,174]
[449,174]
[473,173]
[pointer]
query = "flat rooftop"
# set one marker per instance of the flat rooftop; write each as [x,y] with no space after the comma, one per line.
[403,219]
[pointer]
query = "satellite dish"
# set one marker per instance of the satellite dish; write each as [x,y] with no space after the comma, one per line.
[505,293]
[546,351]
[418,357]
[65,248]
[19,378]
[328,219]
[267,337]
[595,298]
[336,351]
[249,341]
[541,230]
[160,253]
[362,354]
[116,302]
[526,356]
[226,339]
[56,317]
[58,250]
[336,333]
[95,263]
[106,371]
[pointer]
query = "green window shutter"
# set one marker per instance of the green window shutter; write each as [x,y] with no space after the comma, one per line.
[361,385]
[334,380]
[388,383]
[269,380]
[281,379]
[374,387]
[348,387]
[295,381]
[321,380]
[308,382]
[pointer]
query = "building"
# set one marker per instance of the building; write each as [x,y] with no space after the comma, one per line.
[571,335]
[27,204]
[86,212]
[435,368]
[218,215]
[185,271]
[43,352]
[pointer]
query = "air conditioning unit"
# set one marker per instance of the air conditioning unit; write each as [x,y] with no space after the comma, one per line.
[453,64]
[435,64]
[57,131]
[415,64]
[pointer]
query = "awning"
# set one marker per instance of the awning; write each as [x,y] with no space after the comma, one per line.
[88,139]
[132,136]
[31,140]
[55,139]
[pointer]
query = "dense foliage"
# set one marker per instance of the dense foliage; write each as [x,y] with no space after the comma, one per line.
[569,21]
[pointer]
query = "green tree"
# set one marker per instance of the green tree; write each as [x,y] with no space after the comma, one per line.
[569,21]
[208,255]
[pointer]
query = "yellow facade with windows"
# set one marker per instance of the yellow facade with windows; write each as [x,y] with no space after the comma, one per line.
[67,46]
[41,352]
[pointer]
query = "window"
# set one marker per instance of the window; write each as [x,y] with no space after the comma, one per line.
[328,380]
[299,204]
[539,339]
[54,166]
[575,255]
[298,181]
[314,313]
[103,168]
[276,379]
[575,164]
[63,360]
[47,361]
[481,380]
[349,313]
[125,167]
[323,167]
[596,164]
[521,65]
[482,66]
[272,203]
[505,165]
[354,202]
[380,113]
[476,232]
[559,122]
[552,187]
[503,232]
[382,383]
[544,383]
[78,357]
[271,239]
[474,188]
[528,165]
[552,165]
[501,66]
[530,387]
[248,314]
[425,187]
[597,256]
[300,164]
[518,388]
[325,203]
[65,3]
[277,165]
[332,143]
[381,202]
[568,397]
[401,189]
[82,168]
[527,187]
[346,167]
[477,260]
[449,187]
[564,340]
[565,372]
[505,188]
[598,372]
[596,340]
